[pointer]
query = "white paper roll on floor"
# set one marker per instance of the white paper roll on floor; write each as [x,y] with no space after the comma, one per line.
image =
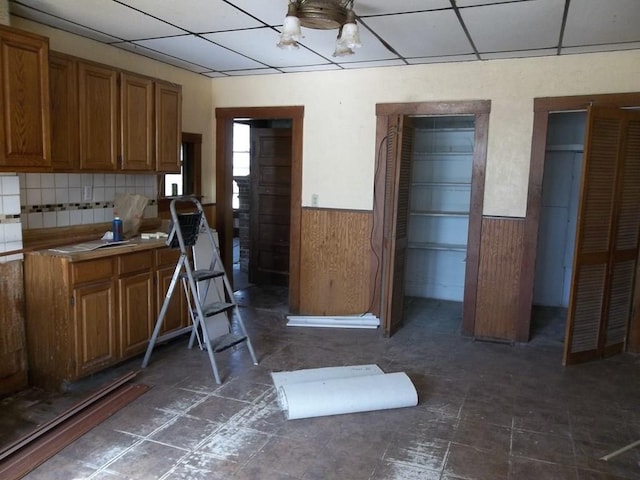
[347,395]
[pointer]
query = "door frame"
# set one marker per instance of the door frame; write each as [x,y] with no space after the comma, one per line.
[224,184]
[542,107]
[384,112]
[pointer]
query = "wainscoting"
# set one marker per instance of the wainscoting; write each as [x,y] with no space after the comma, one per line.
[335,262]
[499,278]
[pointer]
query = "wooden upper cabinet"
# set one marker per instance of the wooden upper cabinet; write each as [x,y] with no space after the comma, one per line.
[98,107]
[168,126]
[136,120]
[63,88]
[24,101]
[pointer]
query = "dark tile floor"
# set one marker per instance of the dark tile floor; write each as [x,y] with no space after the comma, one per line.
[486,410]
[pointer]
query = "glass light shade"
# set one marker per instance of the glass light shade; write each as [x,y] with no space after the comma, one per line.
[342,50]
[350,36]
[291,27]
[291,33]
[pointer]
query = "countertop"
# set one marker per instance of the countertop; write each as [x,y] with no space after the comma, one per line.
[133,245]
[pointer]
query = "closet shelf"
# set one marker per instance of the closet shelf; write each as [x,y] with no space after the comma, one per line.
[443,154]
[441,184]
[452,247]
[438,213]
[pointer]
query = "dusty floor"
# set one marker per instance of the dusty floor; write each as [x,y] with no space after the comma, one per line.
[486,410]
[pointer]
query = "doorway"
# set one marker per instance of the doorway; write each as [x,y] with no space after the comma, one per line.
[225,118]
[448,196]
[558,216]
[261,202]
[600,321]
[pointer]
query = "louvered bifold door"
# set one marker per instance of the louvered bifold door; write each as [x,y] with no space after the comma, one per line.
[606,239]
[396,220]
[627,230]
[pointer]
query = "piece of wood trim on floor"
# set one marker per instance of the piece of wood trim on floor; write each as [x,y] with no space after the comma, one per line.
[44,428]
[53,441]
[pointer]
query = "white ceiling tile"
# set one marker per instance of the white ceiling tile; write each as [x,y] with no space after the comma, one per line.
[177,62]
[379,63]
[446,59]
[522,25]
[111,18]
[201,16]
[257,71]
[610,47]
[201,52]
[214,74]
[520,54]
[383,7]
[592,22]
[310,68]
[470,3]
[60,23]
[422,34]
[261,45]
[272,12]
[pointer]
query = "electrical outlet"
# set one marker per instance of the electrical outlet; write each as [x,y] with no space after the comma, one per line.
[87,193]
[314,200]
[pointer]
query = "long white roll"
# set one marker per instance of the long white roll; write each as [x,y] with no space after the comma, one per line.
[347,395]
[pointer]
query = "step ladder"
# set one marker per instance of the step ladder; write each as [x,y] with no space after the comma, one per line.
[215,316]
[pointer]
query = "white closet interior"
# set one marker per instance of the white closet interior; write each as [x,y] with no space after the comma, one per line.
[559,212]
[439,206]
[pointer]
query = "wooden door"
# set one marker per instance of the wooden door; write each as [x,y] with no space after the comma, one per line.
[168,126]
[136,121]
[95,329]
[63,81]
[24,101]
[137,312]
[396,221]
[607,236]
[98,106]
[270,206]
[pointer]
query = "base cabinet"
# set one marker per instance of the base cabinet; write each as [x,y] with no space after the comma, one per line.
[86,314]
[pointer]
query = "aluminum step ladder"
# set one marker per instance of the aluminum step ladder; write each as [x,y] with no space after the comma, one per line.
[215,316]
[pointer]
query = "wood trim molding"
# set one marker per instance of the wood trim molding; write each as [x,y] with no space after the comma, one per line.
[471,107]
[224,180]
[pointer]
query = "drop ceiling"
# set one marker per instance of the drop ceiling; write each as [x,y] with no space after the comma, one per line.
[220,38]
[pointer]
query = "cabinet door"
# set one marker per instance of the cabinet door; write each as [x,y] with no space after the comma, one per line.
[168,126]
[98,105]
[137,312]
[136,107]
[95,320]
[24,101]
[65,144]
[177,315]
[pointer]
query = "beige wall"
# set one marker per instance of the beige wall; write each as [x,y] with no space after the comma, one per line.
[197,114]
[339,123]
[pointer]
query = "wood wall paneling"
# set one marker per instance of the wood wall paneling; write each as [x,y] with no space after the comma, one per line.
[13,354]
[335,269]
[501,252]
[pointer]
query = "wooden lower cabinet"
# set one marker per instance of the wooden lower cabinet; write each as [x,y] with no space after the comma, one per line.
[83,315]
[177,315]
[94,318]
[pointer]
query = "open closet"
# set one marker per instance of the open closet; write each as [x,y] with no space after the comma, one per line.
[440,196]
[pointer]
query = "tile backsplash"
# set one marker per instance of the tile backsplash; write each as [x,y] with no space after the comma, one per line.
[46,200]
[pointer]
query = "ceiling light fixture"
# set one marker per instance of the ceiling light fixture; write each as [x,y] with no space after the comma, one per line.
[321,15]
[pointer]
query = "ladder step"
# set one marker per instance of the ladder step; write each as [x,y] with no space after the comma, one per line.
[199,275]
[224,342]
[216,307]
